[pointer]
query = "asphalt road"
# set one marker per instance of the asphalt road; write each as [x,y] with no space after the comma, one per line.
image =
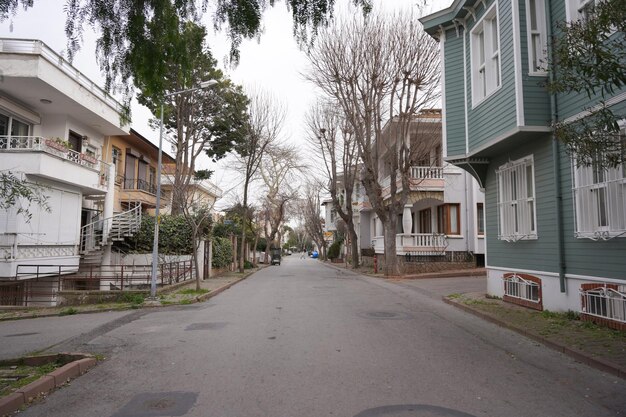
[303,339]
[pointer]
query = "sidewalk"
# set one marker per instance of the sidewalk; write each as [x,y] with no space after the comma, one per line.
[184,294]
[599,347]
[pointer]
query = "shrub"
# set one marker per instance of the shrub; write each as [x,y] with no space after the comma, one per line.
[175,237]
[222,252]
[333,250]
[132,298]
[247,265]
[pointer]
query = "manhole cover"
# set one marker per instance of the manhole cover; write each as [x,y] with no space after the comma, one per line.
[20,334]
[385,315]
[206,326]
[412,410]
[175,403]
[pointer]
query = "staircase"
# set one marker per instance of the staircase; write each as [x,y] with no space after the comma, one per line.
[93,236]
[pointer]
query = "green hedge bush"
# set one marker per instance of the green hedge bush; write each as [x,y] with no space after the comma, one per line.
[222,252]
[333,250]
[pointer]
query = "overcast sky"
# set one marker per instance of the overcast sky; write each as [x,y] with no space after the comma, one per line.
[274,63]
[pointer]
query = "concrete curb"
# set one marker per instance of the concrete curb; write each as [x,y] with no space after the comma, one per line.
[223,288]
[45,384]
[578,355]
[430,275]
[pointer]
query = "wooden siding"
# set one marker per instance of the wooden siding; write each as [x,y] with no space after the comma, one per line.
[571,104]
[539,254]
[582,256]
[496,114]
[455,89]
[536,98]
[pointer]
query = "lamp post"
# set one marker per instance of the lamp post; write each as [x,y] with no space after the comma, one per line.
[155,247]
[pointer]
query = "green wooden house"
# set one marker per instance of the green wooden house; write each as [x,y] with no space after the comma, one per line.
[556,231]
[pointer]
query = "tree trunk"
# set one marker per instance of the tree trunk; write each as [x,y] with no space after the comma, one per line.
[392,265]
[194,257]
[354,247]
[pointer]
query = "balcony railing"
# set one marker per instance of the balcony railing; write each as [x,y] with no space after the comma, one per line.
[424,243]
[36,47]
[52,147]
[421,176]
[130,184]
[421,173]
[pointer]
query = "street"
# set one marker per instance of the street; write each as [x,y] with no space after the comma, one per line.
[304,339]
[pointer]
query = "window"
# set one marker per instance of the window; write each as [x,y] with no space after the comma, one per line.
[10,126]
[604,300]
[116,158]
[480,219]
[485,50]
[449,219]
[600,197]
[537,39]
[516,200]
[523,289]
[426,225]
[585,9]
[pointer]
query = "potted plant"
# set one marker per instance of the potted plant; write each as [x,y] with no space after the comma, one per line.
[58,144]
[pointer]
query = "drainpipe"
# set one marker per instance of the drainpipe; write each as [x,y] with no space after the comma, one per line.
[556,165]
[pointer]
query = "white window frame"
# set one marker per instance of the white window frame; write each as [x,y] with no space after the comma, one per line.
[599,197]
[574,9]
[537,38]
[517,208]
[485,54]
[12,118]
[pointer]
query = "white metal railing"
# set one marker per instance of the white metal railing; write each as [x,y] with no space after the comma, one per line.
[52,147]
[101,231]
[36,47]
[518,287]
[428,243]
[427,172]
[604,302]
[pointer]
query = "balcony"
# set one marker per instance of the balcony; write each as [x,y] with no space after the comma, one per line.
[137,191]
[429,244]
[423,178]
[47,158]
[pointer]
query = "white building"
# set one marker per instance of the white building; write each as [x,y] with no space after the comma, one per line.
[444,214]
[53,124]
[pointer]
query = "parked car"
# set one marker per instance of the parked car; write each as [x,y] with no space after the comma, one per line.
[314,254]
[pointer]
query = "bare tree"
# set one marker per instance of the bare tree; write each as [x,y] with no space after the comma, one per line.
[265,120]
[197,210]
[279,170]
[333,139]
[311,212]
[381,67]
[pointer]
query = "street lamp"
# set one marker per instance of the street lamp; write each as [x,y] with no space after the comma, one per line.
[155,248]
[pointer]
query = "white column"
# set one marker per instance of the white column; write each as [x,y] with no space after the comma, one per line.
[210,258]
[200,258]
[107,213]
[407,222]
[379,227]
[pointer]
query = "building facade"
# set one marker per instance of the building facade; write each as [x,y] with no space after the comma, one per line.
[443,219]
[53,126]
[555,230]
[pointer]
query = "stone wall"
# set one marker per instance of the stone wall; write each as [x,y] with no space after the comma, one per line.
[424,264]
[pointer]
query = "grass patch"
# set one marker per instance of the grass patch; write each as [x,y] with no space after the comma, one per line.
[70,311]
[192,291]
[23,375]
[185,302]
[133,298]
[454,296]
[492,297]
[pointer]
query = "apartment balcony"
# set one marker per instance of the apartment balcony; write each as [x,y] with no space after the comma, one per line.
[132,190]
[46,158]
[428,244]
[423,178]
